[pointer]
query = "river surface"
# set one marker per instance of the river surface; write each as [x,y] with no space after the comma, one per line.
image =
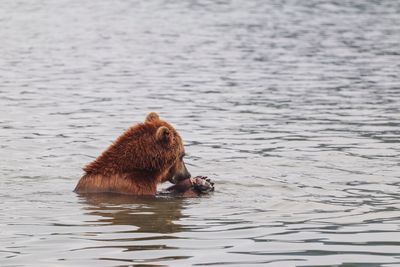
[291,107]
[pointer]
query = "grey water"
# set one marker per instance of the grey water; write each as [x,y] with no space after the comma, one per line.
[291,107]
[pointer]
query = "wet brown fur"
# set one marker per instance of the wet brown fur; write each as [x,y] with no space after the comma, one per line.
[142,157]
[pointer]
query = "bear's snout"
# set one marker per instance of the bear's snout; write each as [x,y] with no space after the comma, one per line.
[182,173]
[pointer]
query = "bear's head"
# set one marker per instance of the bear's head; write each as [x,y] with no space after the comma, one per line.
[170,149]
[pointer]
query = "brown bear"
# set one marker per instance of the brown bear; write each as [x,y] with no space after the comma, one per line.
[143,156]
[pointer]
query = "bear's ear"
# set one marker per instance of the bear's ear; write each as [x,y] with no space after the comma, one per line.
[152,116]
[163,134]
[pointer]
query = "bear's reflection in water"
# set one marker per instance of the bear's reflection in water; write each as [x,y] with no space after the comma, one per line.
[151,214]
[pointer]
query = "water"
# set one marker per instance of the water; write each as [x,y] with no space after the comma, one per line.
[292,107]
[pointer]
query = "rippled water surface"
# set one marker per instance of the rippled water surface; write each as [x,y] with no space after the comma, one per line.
[292,107]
